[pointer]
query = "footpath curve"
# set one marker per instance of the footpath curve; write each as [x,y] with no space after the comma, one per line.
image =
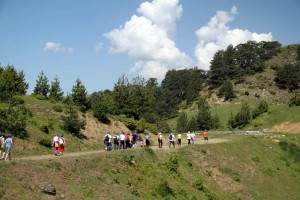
[83,153]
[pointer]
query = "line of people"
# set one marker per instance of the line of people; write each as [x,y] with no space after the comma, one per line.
[127,141]
[5,146]
[191,137]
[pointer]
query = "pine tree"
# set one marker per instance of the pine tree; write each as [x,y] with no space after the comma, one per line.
[79,96]
[204,118]
[71,121]
[42,85]
[55,91]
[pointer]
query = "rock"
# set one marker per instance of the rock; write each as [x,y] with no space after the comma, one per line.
[48,188]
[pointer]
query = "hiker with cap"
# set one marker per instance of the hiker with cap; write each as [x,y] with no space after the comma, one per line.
[122,140]
[62,144]
[107,141]
[55,143]
[8,146]
[116,141]
[2,147]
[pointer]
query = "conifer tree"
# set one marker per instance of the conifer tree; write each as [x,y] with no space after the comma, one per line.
[79,96]
[42,85]
[56,92]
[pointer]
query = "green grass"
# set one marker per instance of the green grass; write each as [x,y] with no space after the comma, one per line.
[276,115]
[212,171]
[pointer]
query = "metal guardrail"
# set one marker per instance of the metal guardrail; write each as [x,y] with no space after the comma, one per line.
[242,132]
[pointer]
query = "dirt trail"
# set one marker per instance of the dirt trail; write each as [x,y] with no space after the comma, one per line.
[84,153]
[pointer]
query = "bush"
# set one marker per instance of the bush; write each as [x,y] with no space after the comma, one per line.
[172,164]
[45,142]
[40,97]
[57,108]
[246,93]
[44,128]
[295,101]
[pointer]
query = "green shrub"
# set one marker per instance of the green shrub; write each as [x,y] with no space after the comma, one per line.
[172,163]
[44,128]
[164,190]
[40,97]
[295,101]
[272,92]
[255,159]
[267,170]
[199,185]
[45,142]
[57,108]
[247,93]
[236,178]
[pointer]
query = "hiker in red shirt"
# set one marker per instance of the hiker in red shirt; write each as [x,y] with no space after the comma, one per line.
[205,135]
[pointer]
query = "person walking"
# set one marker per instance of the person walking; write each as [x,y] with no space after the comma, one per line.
[2,147]
[205,135]
[179,136]
[122,140]
[135,140]
[188,137]
[147,139]
[160,140]
[128,141]
[193,137]
[107,141]
[55,143]
[116,141]
[171,140]
[62,144]
[8,146]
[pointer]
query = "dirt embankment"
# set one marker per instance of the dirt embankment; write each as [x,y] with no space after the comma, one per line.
[286,127]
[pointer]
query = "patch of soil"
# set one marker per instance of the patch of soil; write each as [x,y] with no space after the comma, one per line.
[286,127]
[96,130]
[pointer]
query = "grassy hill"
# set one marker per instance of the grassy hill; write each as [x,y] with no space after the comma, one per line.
[246,167]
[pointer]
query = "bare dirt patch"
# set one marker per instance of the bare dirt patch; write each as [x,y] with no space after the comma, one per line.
[285,127]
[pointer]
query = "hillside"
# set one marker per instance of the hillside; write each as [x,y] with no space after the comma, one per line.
[246,167]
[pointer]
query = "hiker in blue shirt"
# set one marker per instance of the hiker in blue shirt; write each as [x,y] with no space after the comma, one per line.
[8,146]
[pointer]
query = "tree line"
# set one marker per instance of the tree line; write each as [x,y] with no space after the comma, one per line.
[145,101]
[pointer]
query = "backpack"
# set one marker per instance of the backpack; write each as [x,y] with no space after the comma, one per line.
[170,137]
[115,139]
[106,138]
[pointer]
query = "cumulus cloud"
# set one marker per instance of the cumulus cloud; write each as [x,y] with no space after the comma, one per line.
[56,47]
[216,35]
[147,39]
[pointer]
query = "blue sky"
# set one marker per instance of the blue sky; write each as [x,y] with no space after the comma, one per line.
[99,40]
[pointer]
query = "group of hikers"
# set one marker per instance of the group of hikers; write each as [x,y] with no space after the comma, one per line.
[59,143]
[127,141]
[5,146]
[122,141]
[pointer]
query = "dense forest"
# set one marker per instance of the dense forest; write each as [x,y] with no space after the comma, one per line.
[146,104]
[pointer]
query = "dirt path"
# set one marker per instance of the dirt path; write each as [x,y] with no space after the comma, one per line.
[84,153]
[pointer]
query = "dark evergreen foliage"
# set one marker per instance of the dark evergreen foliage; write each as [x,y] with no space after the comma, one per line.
[11,83]
[79,96]
[71,121]
[55,91]
[288,77]
[236,62]
[42,85]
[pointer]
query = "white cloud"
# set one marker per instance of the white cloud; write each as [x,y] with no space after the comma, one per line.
[56,47]
[216,35]
[147,39]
